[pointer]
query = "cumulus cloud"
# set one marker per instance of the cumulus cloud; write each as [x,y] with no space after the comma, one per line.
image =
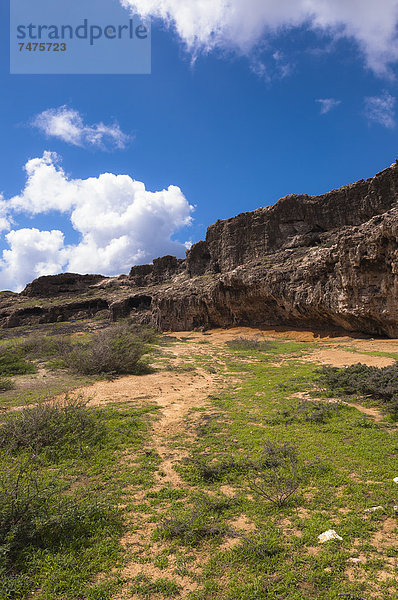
[67,125]
[381,110]
[120,224]
[5,222]
[31,253]
[242,24]
[327,104]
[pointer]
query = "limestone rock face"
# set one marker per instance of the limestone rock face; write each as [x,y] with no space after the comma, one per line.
[56,285]
[328,261]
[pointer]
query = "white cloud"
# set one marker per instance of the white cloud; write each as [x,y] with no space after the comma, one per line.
[327,104]
[5,222]
[120,224]
[31,253]
[67,124]
[381,109]
[242,24]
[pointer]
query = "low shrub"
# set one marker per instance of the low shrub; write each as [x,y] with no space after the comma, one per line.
[45,346]
[23,498]
[242,343]
[12,362]
[276,476]
[34,514]
[51,425]
[118,350]
[6,384]
[362,380]
[210,471]
[307,411]
[191,529]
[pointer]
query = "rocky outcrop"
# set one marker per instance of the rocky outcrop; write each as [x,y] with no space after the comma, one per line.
[56,285]
[319,262]
[163,269]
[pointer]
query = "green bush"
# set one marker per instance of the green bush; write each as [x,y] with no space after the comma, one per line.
[52,425]
[118,350]
[45,346]
[362,380]
[13,363]
[242,343]
[6,384]
[35,515]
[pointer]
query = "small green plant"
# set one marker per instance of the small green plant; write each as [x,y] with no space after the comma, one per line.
[242,343]
[276,476]
[51,425]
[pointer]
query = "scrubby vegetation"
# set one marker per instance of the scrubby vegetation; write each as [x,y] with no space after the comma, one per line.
[54,425]
[61,361]
[242,343]
[118,350]
[307,411]
[276,476]
[378,383]
[12,362]
[60,485]
[35,517]
[260,474]
[6,384]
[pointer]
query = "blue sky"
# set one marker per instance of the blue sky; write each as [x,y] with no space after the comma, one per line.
[235,128]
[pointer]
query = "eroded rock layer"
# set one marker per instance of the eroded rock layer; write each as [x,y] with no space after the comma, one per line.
[319,262]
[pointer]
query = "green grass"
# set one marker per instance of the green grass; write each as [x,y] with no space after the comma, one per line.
[393,355]
[69,523]
[215,529]
[347,465]
[377,383]
[12,362]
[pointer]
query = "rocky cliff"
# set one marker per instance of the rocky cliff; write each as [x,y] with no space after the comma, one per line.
[308,261]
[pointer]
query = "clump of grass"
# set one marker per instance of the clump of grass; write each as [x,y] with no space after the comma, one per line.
[242,343]
[51,425]
[276,476]
[6,384]
[118,350]
[191,529]
[12,362]
[375,382]
[210,471]
[307,411]
[200,523]
[146,588]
